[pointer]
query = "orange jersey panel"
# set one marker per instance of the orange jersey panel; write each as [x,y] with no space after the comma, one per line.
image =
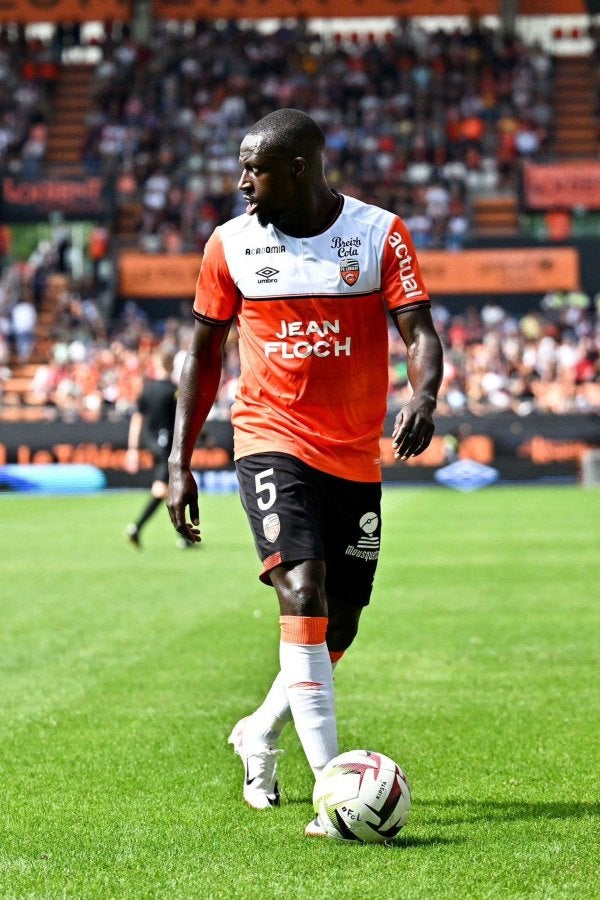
[312,316]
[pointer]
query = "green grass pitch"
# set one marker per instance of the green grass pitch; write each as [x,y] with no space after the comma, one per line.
[476,668]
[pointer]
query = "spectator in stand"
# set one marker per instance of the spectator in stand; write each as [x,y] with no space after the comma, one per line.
[98,247]
[5,245]
[23,322]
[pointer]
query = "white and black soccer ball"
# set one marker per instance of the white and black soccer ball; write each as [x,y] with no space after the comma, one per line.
[362,796]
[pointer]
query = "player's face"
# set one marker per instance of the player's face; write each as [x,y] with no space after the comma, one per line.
[268,184]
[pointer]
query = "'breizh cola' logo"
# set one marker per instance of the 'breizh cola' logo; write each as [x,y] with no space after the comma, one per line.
[367,545]
[347,249]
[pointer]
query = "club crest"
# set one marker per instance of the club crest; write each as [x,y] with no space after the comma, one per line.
[350,271]
[271,527]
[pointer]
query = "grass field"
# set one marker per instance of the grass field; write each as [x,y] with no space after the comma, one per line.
[476,668]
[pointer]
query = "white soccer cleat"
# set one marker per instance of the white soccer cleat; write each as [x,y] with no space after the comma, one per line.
[132,534]
[260,771]
[315,829]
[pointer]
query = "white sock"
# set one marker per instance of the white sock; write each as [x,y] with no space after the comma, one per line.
[268,721]
[308,677]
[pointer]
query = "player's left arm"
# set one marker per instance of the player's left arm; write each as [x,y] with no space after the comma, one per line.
[413,428]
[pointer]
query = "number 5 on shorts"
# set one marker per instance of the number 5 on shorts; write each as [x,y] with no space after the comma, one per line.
[261,486]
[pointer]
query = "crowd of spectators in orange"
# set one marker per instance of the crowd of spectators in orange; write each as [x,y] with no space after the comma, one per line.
[546,359]
[415,121]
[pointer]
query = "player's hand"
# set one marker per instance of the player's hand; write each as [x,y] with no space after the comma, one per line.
[131,463]
[183,495]
[413,428]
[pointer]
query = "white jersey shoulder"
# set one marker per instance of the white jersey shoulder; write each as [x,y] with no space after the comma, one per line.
[345,259]
[374,216]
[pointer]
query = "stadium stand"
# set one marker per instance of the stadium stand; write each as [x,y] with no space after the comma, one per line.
[441,139]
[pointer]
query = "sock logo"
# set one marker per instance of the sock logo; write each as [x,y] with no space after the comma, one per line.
[271,527]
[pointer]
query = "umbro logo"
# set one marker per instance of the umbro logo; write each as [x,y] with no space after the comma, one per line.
[266,275]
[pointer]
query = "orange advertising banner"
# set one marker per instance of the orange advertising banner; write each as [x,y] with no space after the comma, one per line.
[515,270]
[512,271]
[321,9]
[563,185]
[553,7]
[155,277]
[23,11]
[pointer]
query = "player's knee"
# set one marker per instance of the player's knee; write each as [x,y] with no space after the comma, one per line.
[159,490]
[304,600]
[341,632]
[300,589]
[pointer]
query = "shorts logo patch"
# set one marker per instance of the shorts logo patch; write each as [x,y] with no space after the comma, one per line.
[367,545]
[271,527]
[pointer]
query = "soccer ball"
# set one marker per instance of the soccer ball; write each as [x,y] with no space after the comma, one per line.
[362,796]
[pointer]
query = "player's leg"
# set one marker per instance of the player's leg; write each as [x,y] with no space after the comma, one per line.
[349,582]
[302,690]
[283,510]
[256,737]
[306,668]
[158,492]
[352,537]
[342,627]
[338,510]
[270,718]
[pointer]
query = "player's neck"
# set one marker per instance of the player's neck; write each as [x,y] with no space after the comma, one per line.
[317,216]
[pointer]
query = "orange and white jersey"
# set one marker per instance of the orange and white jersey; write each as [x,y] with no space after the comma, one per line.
[313,332]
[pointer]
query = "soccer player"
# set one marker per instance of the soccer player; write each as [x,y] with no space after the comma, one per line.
[310,276]
[154,418]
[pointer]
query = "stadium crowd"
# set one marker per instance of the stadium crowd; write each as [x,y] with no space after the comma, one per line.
[417,122]
[544,359]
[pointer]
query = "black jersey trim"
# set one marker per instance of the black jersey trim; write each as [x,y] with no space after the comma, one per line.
[409,307]
[210,321]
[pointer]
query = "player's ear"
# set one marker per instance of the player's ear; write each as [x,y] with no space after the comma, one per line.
[299,166]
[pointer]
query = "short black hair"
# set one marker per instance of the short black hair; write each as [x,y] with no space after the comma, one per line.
[291,132]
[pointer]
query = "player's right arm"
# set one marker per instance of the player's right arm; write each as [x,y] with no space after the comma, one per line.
[132,457]
[198,387]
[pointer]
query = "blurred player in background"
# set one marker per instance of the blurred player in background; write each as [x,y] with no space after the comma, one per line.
[311,277]
[152,423]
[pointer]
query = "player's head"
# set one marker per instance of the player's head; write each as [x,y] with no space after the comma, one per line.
[282,164]
[289,133]
[163,360]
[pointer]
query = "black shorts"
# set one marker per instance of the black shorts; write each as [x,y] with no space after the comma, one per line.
[297,512]
[160,472]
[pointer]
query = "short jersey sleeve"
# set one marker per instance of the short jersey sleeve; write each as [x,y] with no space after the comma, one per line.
[402,283]
[217,296]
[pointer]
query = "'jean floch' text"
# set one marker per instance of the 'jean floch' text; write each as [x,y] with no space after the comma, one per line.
[326,346]
[407,275]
